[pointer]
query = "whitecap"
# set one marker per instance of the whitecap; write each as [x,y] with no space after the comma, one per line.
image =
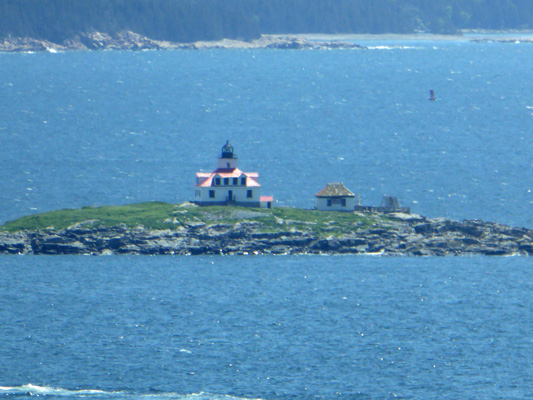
[35,390]
[393,47]
[47,390]
[375,253]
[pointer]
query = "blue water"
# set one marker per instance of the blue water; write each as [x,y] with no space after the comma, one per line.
[266,327]
[85,129]
[94,128]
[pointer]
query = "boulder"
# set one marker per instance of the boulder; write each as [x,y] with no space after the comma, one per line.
[64,248]
[17,243]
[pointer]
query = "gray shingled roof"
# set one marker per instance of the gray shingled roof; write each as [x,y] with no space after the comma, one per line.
[335,190]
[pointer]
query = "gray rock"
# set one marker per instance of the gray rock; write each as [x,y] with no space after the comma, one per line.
[526,247]
[424,228]
[419,236]
[64,248]
[16,243]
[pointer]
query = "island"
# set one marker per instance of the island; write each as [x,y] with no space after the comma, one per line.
[158,228]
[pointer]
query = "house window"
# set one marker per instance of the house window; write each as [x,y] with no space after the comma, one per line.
[211,194]
[249,194]
[226,181]
[228,165]
[217,181]
[198,193]
[343,202]
[235,181]
[243,181]
[329,202]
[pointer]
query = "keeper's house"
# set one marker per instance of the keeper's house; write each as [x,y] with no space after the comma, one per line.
[228,185]
[335,197]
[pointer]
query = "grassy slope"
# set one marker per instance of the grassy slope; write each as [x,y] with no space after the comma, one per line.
[158,215]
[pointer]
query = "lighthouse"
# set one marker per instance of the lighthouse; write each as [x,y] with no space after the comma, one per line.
[228,185]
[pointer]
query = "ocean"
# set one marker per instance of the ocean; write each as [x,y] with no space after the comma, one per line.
[102,128]
[300,327]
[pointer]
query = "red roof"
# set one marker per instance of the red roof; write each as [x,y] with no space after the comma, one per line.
[206,178]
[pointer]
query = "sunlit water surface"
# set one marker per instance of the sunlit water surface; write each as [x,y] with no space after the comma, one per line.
[97,128]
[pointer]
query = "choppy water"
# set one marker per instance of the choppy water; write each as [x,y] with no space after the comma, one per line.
[120,127]
[265,327]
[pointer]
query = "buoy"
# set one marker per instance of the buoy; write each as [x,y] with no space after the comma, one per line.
[432,95]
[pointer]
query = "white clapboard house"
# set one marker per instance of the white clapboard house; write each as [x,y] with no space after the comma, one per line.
[228,185]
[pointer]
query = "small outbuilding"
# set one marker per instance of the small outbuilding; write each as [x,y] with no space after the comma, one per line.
[335,197]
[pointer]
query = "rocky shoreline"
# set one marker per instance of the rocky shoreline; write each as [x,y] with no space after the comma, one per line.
[404,235]
[127,40]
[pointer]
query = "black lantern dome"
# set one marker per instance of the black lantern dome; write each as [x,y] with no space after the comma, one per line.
[227,151]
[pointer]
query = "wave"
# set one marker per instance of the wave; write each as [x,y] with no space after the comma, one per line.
[392,47]
[34,390]
[30,390]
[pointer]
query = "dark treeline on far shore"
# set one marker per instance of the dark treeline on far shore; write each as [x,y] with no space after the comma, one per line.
[194,20]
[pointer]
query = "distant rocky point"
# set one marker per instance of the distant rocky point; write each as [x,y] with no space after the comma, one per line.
[127,40]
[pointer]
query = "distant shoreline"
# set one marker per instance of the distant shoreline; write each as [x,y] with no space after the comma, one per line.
[127,40]
[464,36]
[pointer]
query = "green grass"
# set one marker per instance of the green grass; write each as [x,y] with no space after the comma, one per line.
[148,214]
[158,215]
